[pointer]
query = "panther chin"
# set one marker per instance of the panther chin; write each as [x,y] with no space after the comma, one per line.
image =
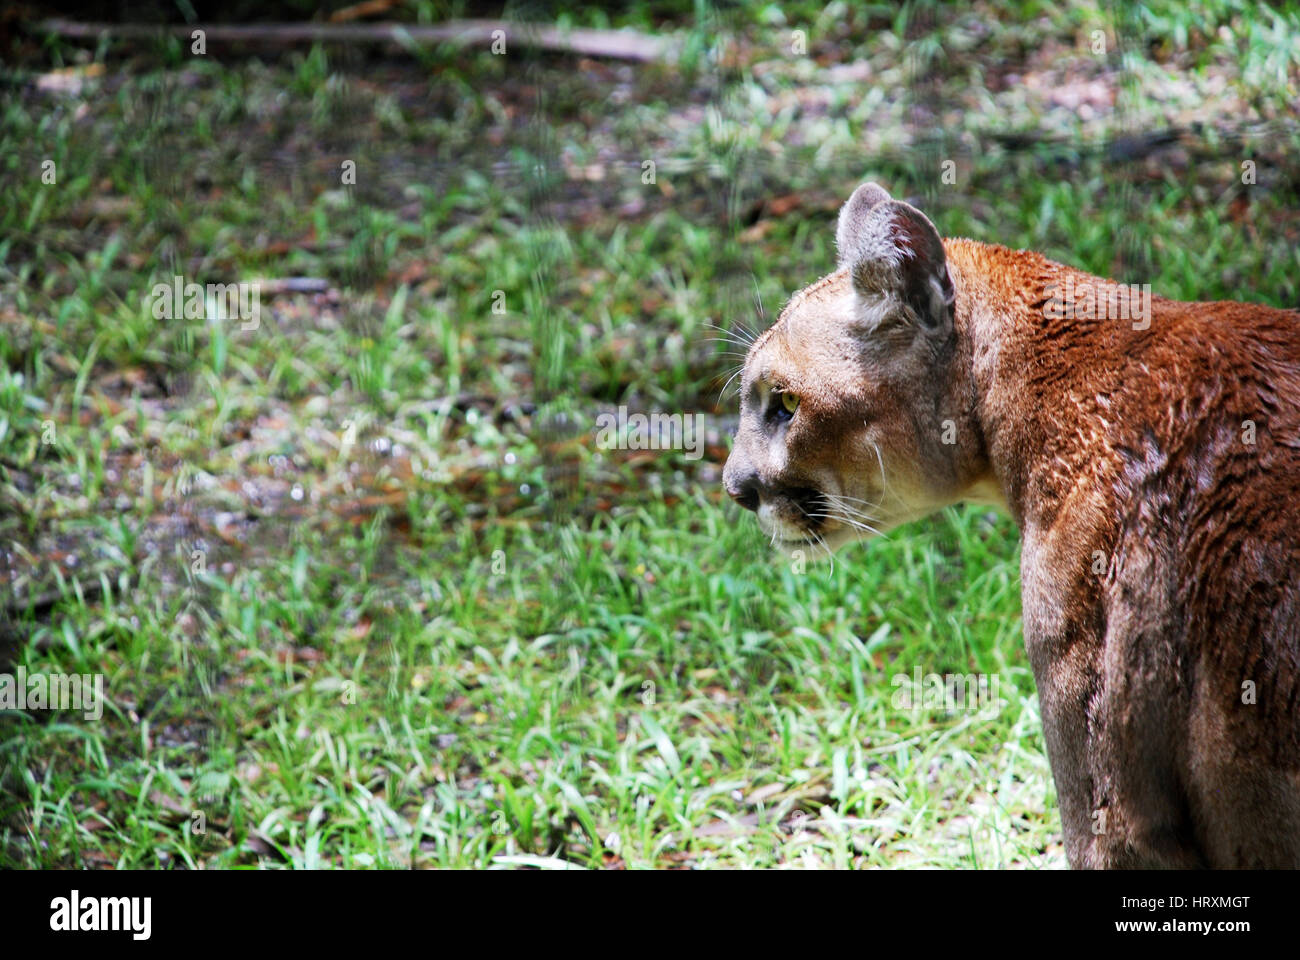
[828,536]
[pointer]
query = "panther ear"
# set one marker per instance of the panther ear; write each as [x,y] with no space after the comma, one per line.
[853,216]
[894,252]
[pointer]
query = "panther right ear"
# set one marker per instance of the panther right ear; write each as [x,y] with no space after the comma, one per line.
[896,260]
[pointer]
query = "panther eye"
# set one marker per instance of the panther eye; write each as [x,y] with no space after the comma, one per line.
[789,403]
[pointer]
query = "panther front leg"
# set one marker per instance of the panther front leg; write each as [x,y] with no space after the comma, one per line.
[1115,737]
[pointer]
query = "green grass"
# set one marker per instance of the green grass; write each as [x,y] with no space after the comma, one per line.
[362,587]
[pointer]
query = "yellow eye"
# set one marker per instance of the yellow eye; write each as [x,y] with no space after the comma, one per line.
[790,402]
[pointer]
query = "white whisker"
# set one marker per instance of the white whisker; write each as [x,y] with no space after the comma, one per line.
[884,481]
[819,540]
[858,522]
[845,499]
[739,371]
[742,338]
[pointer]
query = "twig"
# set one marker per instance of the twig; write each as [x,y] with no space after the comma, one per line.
[616,44]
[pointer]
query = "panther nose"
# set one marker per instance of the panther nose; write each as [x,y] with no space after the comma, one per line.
[744,490]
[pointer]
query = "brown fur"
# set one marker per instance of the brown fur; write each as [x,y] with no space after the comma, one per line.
[1111,446]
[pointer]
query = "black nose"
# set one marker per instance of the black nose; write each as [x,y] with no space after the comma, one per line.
[744,490]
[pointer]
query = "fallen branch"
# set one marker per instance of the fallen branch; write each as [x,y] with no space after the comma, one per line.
[616,44]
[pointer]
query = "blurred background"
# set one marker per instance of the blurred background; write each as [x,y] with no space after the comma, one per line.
[363,585]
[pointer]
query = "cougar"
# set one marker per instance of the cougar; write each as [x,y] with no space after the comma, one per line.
[1149,452]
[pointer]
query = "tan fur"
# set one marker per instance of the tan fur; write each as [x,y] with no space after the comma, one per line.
[1103,441]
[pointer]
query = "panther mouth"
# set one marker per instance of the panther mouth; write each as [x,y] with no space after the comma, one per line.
[811,503]
[796,518]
